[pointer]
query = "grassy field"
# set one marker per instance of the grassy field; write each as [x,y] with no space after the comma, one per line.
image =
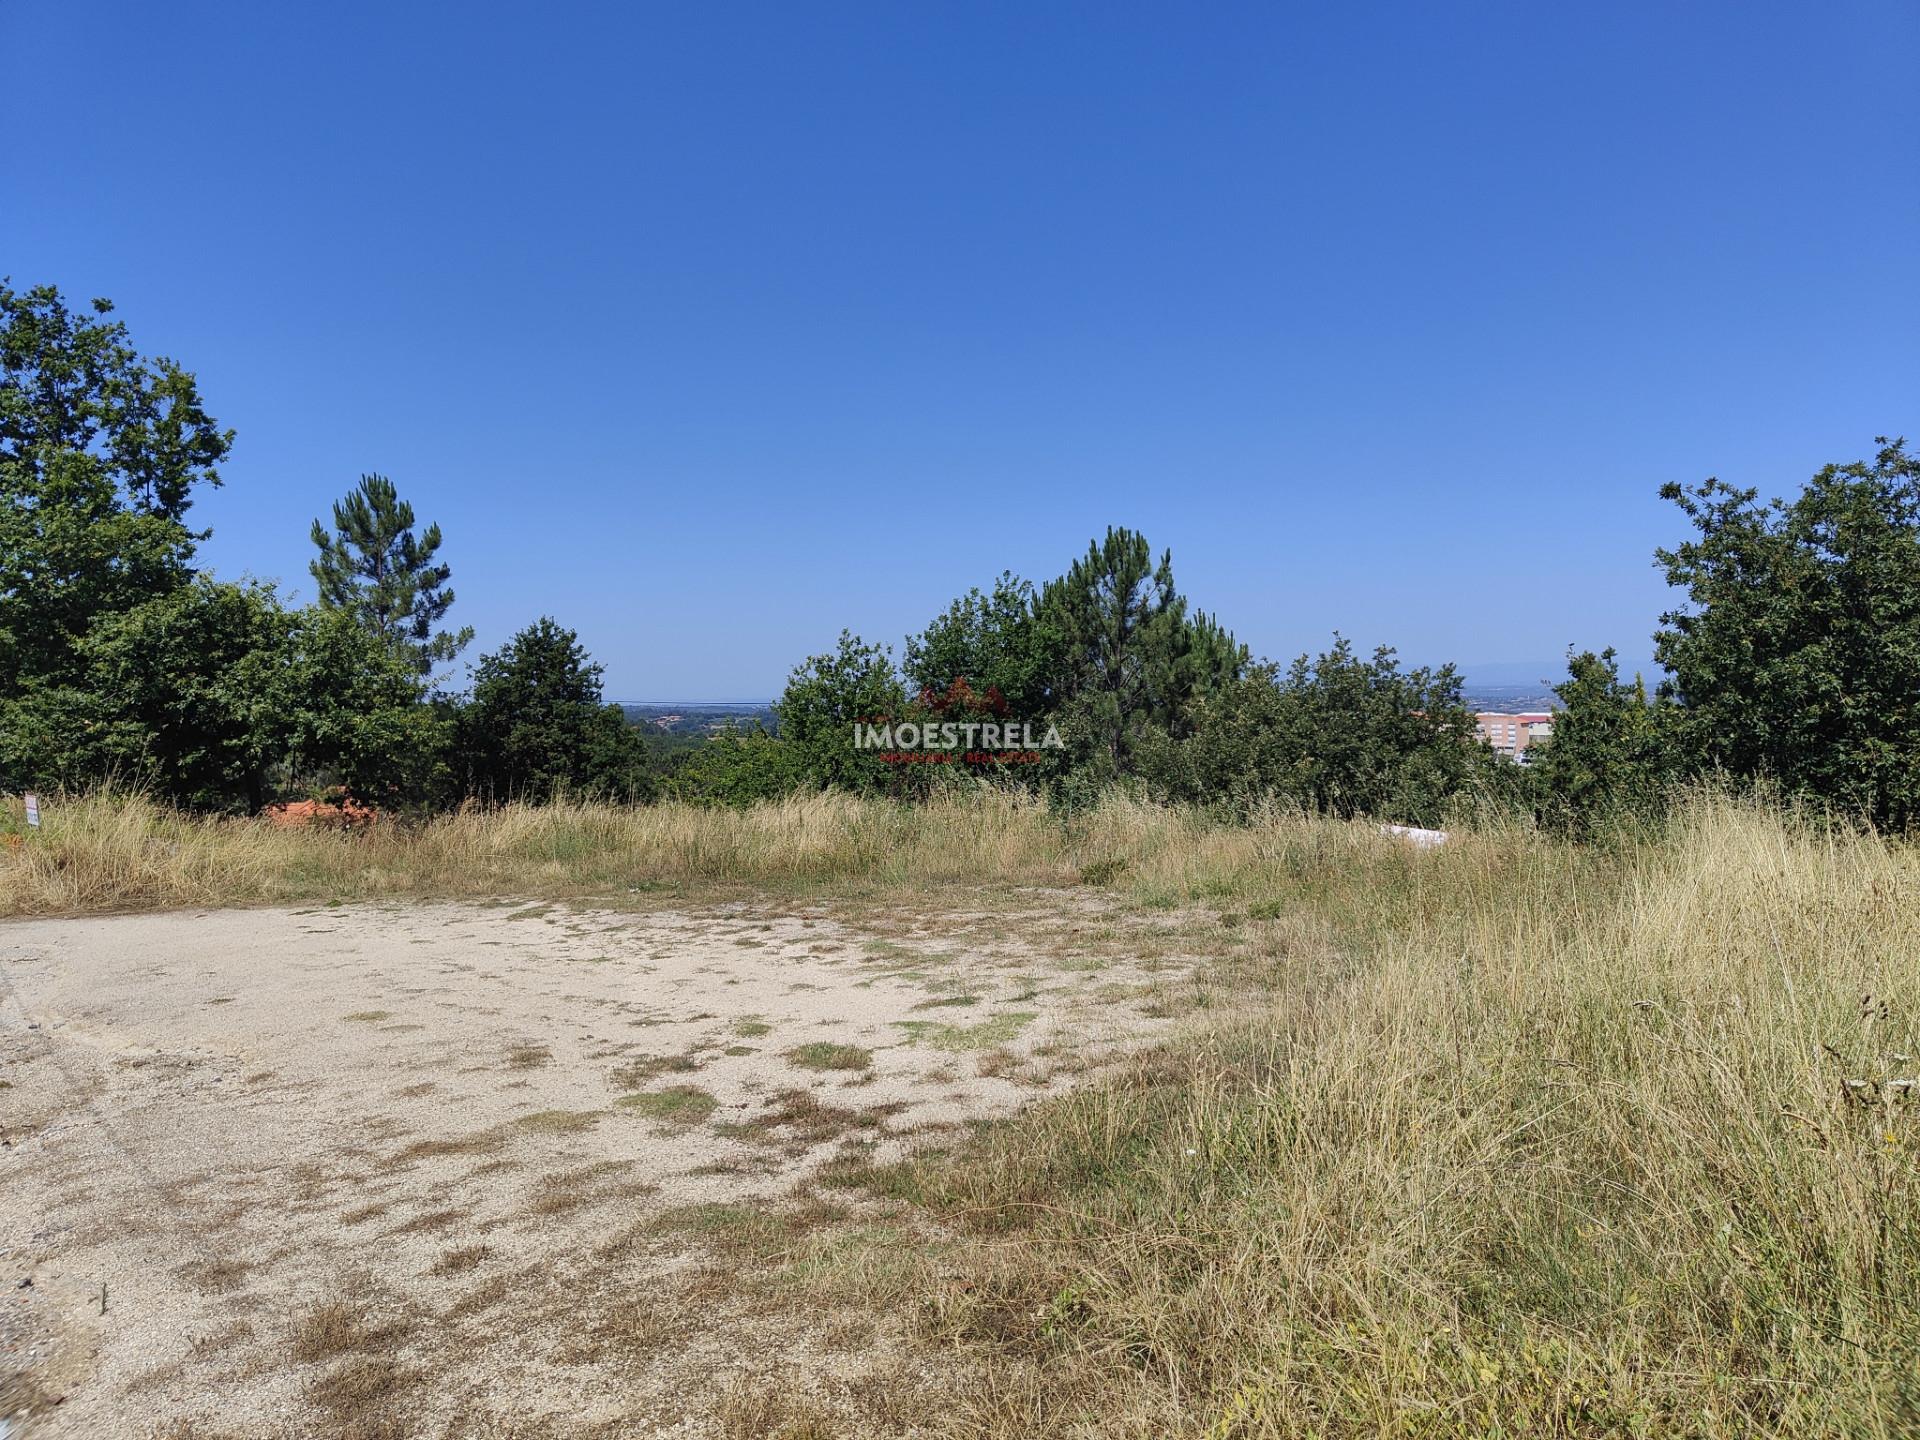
[1526,1141]
[1510,1138]
[105,854]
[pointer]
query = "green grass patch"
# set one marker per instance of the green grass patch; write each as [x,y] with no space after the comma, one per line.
[827,1055]
[676,1105]
[559,1122]
[984,1036]
[632,1074]
[757,1232]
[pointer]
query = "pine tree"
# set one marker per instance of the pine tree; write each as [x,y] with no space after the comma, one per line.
[373,565]
[1133,654]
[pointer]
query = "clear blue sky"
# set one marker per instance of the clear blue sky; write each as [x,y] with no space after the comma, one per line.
[710,329]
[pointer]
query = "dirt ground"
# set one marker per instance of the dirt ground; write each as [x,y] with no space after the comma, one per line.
[458,1170]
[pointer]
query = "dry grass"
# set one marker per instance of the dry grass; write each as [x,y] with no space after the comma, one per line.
[828,1055]
[984,1036]
[482,1142]
[800,1118]
[1510,1138]
[366,1398]
[755,1410]
[559,1122]
[430,1221]
[1530,1140]
[459,1261]
[338,1328]
[632,1074]
[117,852]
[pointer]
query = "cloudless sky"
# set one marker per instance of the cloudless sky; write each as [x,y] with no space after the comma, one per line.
[712,329]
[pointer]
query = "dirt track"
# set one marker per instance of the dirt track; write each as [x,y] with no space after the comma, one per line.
[428,1170]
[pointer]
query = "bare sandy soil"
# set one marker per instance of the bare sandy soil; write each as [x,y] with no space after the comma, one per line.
[443,1170]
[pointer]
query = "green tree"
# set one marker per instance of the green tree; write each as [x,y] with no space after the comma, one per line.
[176,695]
[825,696]
[995,642]
[1798,656]
[740,766]
[101,451]
[215,697]
[1338,734]
[1131,657]
[192,680]
[537,727]
[373,566]
[1612,754]
[353,714]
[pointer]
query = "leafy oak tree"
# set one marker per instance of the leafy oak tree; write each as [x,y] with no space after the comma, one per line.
[824,698]
[372,565]
[998,642]
[353,714]
[216,697]
[1614,753]
[188,685]
[739,766]
[101,453]
[1798,655]
[1339,734]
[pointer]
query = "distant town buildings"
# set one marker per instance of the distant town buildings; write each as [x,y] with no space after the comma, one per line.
[1510,735]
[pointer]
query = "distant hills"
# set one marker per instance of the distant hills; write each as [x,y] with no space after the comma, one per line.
[1509,699]
[697,717]
[704,717]
[1514,687]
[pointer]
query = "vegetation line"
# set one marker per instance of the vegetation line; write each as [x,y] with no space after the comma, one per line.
[112,851]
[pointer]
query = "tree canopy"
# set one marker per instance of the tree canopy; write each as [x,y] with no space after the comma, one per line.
[1613,755]
[536,726]
[1798,654]
[824,698]
[1131,657]
[1338,733]
[372,565]
[997,641]
[101,453]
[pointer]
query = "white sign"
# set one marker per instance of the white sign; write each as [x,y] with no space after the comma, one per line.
[33,811]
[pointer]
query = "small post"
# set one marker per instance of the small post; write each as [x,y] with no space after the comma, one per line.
[103,1297]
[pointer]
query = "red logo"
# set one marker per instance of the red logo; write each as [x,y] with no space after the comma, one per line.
[963,698]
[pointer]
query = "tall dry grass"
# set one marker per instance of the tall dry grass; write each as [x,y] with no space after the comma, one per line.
[1529,1141]
[122,852]
[1519,1138]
